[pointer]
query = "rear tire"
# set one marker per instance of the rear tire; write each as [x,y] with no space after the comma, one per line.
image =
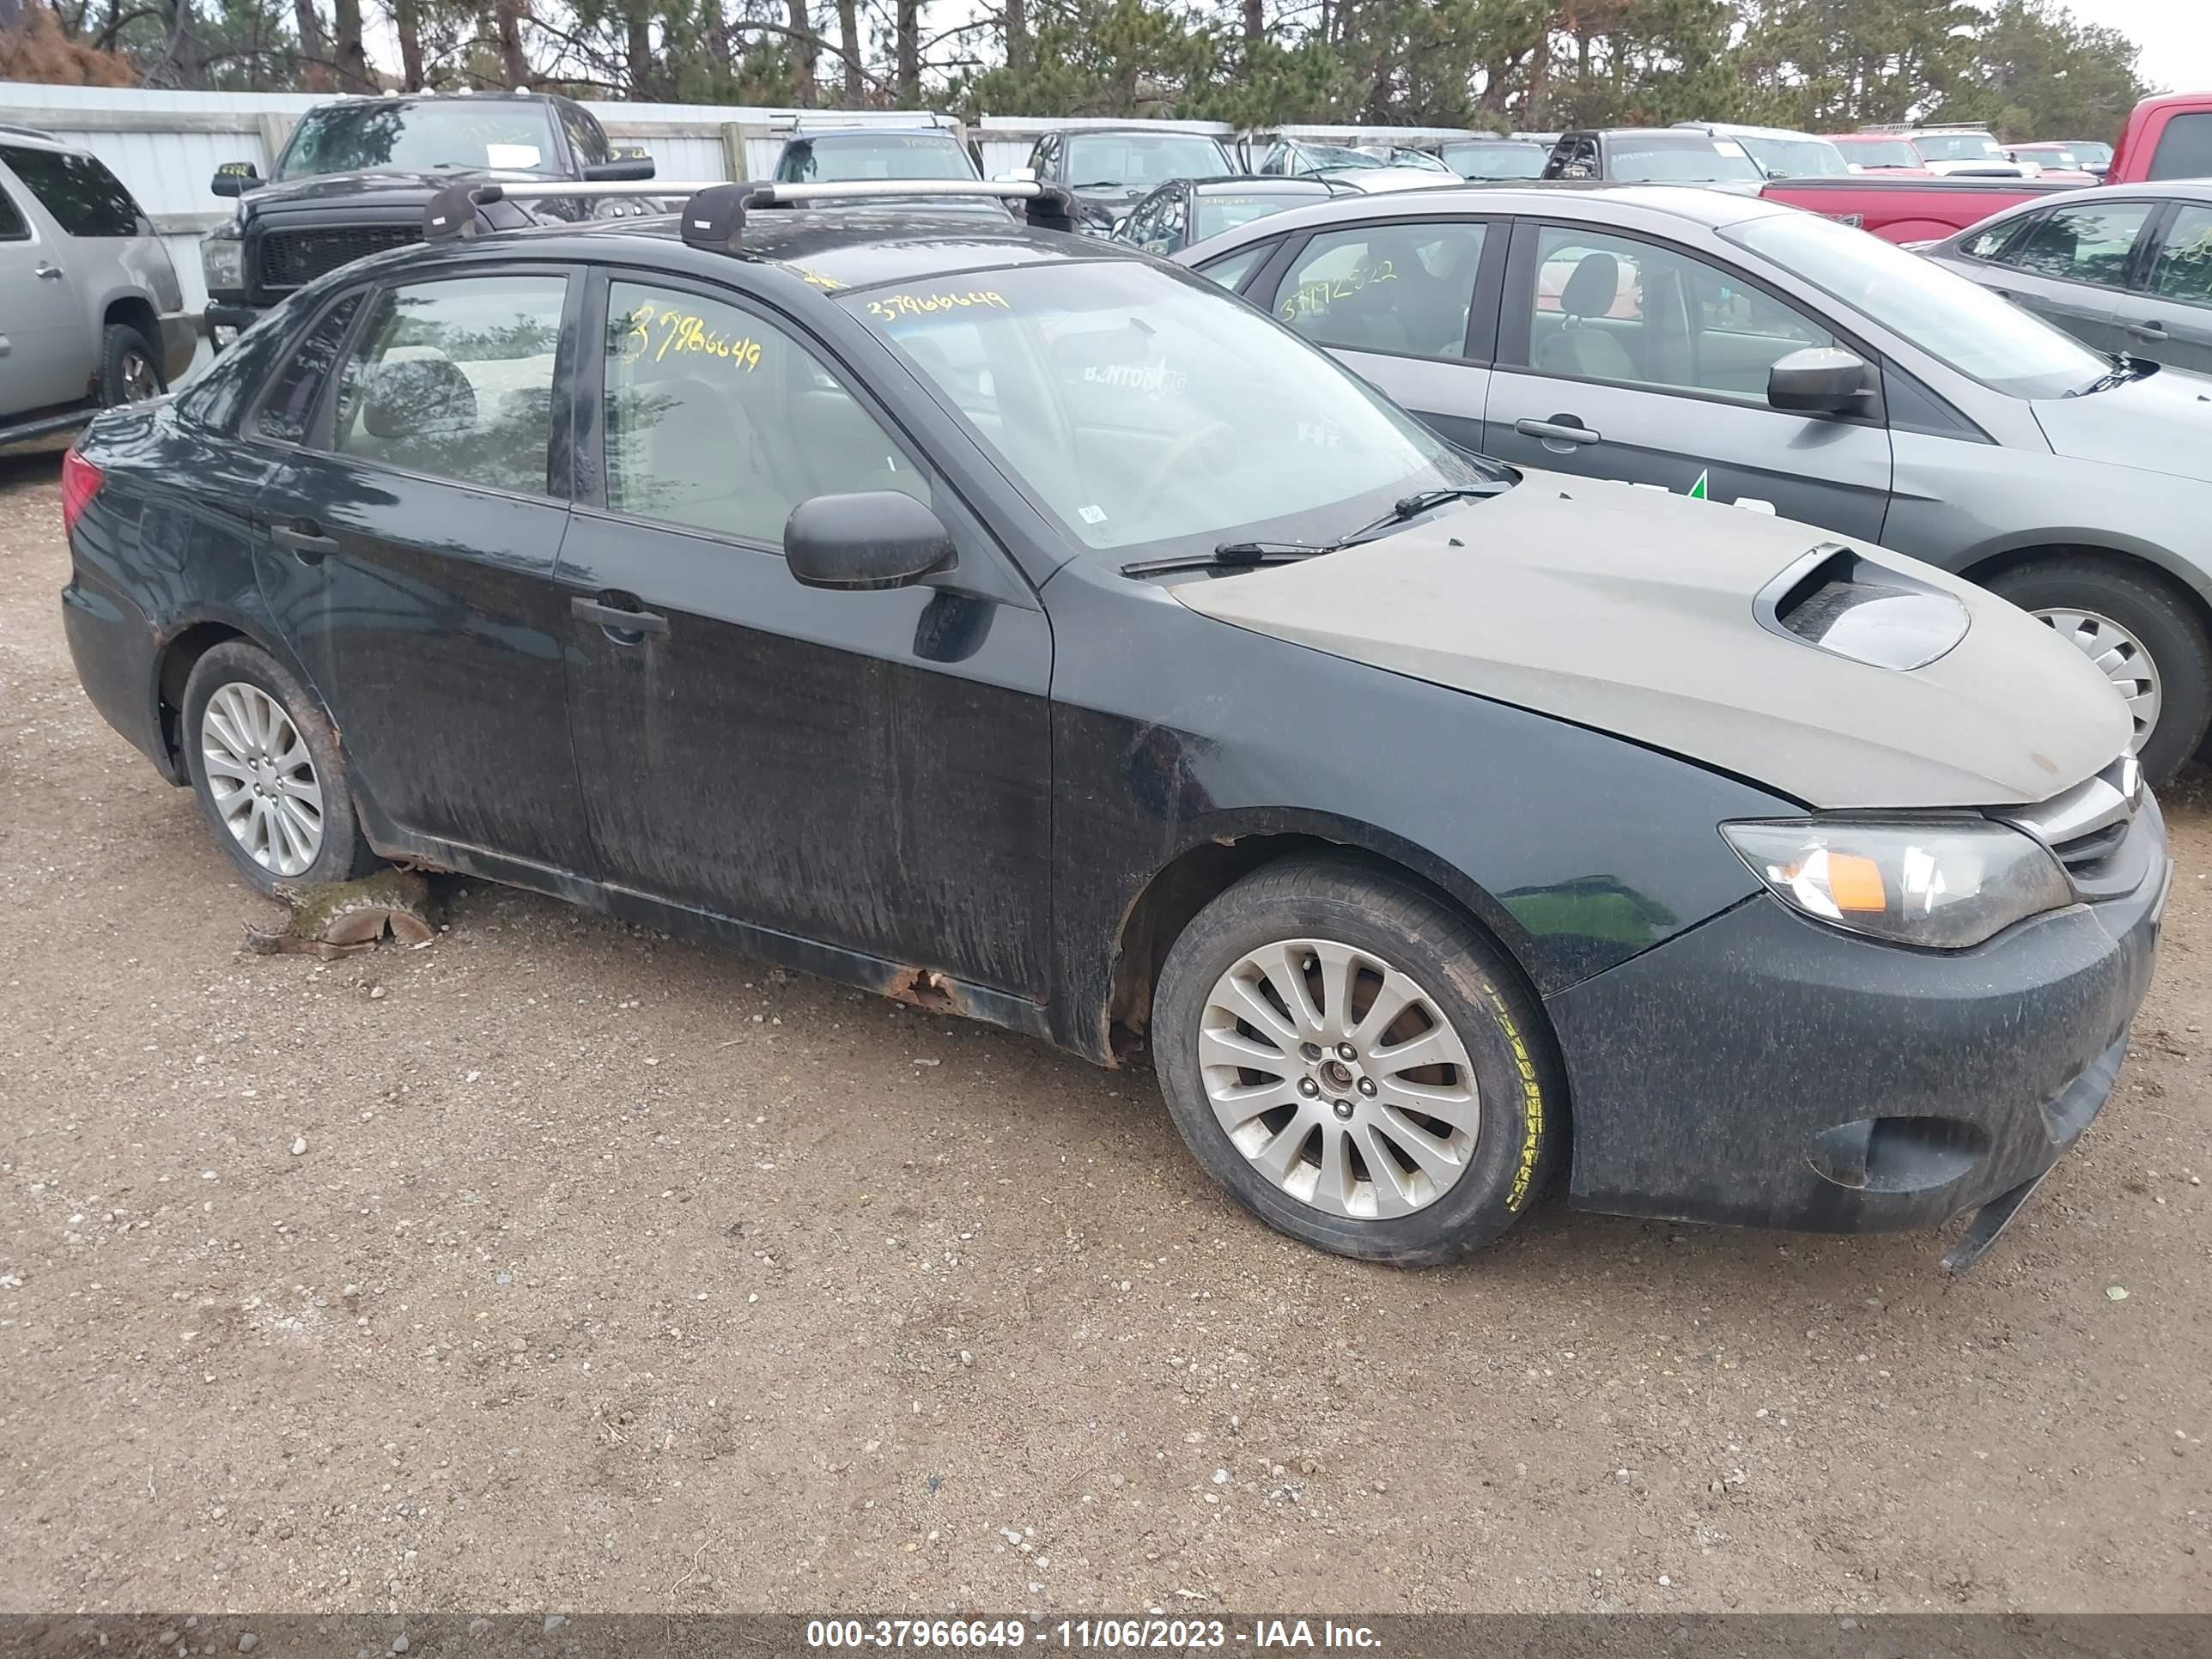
[2142,630]
[1429,1132]
[265,767]
[130,366]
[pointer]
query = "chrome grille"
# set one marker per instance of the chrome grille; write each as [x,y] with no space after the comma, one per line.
[2086,828]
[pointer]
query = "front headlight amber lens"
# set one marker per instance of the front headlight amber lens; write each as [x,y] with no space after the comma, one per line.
[1944,885]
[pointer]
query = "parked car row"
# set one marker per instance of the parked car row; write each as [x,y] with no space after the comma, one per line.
[1028,629]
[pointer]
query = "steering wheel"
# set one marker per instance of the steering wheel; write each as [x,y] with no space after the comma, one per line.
[1177,452]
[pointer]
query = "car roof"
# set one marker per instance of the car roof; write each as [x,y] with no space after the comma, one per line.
[1149,132]
[855,245]
[807,135]
[1568,199]
[1245,181]
[1724,128]
[34,138]
[394,101]
[2164,189]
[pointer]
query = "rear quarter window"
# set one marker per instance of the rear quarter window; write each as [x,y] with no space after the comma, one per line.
[2184,149]
[85,198]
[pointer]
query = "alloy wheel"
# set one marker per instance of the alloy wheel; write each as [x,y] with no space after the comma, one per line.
[2120,657]
[139,381]
[1338,1078]
[261,778]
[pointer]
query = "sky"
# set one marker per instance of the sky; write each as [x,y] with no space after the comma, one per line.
[2175,35]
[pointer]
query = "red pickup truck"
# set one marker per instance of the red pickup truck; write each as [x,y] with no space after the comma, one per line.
[2167,138]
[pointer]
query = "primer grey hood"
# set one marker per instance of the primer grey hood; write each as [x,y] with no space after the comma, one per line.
[2160,423]
[1632,611]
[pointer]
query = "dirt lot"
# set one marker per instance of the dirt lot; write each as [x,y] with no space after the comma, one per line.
[617,1273]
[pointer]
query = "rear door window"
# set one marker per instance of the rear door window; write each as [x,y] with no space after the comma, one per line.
[455,380]
[85,198]
[12,228]
[1403,286]
[2091,244]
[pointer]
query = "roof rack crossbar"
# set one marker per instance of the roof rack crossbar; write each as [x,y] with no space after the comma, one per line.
[713,210]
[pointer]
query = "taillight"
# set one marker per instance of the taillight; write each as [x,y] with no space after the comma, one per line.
[81,482]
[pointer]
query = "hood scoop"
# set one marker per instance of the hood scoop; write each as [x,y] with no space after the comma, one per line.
[1851,606]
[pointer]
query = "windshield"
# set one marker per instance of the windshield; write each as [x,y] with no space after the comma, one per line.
[1496,160]
[1140,407]
[1225,210]
[2092,154]
[1420,160]
[1881,153]
[368,138]
[1315,158]
[1958,147]
[1794,158]
[1954,320]
[1691,159]
[844,158]
[1143,159]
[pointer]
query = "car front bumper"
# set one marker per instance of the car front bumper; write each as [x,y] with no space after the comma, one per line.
[1763,1070]
[234,314]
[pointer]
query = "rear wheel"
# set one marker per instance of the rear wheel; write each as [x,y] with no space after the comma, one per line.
[266,768]
[1357,1062]
[2143,634]
[129,369]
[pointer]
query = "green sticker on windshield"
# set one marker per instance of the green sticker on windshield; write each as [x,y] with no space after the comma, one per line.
[1697,490]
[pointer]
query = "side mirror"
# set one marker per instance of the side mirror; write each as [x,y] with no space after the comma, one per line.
[235,178]
[1817,380]
[873,539]
[626,170]
[1017,176]
[2096,169]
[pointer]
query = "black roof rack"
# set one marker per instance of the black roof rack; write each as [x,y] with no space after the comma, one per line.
[714,213]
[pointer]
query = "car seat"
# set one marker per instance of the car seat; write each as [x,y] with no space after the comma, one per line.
[685,450]
[1578,349]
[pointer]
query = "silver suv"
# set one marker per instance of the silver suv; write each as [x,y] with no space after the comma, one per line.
[91,312]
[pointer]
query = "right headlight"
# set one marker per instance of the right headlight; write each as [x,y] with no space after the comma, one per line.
[1945,885]
[222,259]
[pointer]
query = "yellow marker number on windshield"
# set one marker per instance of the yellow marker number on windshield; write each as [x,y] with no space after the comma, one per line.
[892,307]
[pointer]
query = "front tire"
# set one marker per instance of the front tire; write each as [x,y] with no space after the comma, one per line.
[266,766]
[130,367]
[2142,632]
[1358,1063]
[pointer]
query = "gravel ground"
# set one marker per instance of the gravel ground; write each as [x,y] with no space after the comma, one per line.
[561,1264]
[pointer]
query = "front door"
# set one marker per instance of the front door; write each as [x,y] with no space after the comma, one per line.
[2170,320]
[1395,300]
[413,538]
[1624,358]
[869,771]
[47,354]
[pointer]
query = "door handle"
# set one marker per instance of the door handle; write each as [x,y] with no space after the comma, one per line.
[50,273]
[623,624]
[2146,329]
[1562,429]
[306,544]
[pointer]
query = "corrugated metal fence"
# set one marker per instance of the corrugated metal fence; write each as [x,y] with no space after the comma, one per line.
[166,146]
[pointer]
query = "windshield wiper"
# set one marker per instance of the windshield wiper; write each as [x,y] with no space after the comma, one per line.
[1411,506]
[1229,555]
[2123,369]
[1238,555]
[1100,184]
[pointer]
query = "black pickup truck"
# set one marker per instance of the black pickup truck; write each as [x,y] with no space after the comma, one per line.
[356,173]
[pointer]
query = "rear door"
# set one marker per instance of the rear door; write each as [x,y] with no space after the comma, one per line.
[1627,357]
[871,771]
[2171,318]
[2071,266]
[1405,303]
[46,351]
[413,522]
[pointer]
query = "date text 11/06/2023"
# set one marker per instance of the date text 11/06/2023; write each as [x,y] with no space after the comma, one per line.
[1092,1635]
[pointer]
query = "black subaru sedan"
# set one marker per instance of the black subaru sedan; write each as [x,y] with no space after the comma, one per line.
[1021,627]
